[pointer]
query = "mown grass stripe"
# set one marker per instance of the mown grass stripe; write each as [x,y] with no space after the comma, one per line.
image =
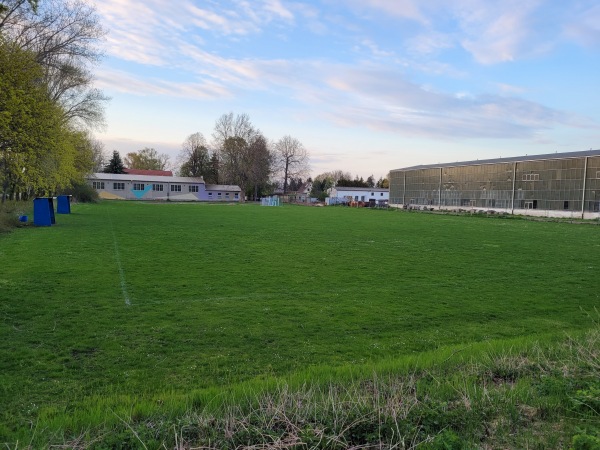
[118,260]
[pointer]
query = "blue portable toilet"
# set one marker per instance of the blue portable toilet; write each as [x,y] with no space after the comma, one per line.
[63,204]
[43,211]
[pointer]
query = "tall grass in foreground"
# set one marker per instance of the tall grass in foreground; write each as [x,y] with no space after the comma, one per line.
[519,394]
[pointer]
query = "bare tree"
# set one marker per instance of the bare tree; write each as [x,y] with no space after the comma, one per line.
[230,126]
[233,169]
[194,158]
[65,36]
[260,163]
[291,159]
[99,157]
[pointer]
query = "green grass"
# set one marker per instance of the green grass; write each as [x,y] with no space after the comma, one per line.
[126,305]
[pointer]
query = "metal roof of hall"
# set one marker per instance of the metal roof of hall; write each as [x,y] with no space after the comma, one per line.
[147,178]
[508,159]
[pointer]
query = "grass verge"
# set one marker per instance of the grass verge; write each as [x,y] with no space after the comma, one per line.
[504,394]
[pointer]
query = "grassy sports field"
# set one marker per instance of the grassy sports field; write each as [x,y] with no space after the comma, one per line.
[126,301]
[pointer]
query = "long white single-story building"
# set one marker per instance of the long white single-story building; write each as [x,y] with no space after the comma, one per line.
[155,187]
[339,194]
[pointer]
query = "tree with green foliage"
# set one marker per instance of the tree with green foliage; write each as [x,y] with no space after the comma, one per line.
[64,37]
[260,163]
[357,182]
[244,155]
[46,94]
[383,183]
[115,164]
[147,159]
[37,149]
[325,181]
[194,157]
[212,176]
[370,181]
[233,162]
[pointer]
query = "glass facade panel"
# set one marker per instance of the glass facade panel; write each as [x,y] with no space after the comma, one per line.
[546,184]
[592,187]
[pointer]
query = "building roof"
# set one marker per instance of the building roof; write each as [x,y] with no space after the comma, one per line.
[146,178]
[223,187]
[154,173]
[360,189]
[305,188]
[563,155]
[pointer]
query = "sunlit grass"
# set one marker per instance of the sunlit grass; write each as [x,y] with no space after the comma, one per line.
[124,301]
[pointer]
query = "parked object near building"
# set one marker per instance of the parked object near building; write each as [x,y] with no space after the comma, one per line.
[156,187]
[555,185]
[368,196]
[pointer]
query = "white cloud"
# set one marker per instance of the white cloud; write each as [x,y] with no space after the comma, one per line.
[375,93]
[584,26]
[383,100]
[275,7]
[119,81]
[430,42]
[406,9]
[496,32]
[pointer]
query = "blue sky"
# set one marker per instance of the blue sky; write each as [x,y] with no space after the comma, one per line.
[366,85]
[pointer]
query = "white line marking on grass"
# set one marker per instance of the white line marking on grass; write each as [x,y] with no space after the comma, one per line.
[118,259]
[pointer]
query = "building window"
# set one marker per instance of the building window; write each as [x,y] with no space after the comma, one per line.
[210,194]
[193,188]
[531,177]
[227,194]
[372,194]
[532,204]
[566,204]
[381,194]
[219,194]
[356,197]
[138,186]
[119,186]
[157,187]
[98,184]
[237,196]
[175,188]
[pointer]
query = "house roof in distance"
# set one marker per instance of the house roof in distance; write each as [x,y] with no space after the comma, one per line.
[154,173]
[361,189]
[562,155]
[222,187]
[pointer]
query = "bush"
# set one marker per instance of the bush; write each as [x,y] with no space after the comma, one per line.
[82,192]
[585,442]
[9,215]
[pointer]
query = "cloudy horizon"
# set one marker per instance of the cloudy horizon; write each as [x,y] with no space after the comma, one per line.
[367,86]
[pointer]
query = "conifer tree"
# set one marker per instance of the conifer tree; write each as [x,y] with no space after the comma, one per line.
[115,165]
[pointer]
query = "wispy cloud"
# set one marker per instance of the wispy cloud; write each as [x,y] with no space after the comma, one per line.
[369,83]
[384,101]
[584,26]
[128,83]
[406,9]
[496,31]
